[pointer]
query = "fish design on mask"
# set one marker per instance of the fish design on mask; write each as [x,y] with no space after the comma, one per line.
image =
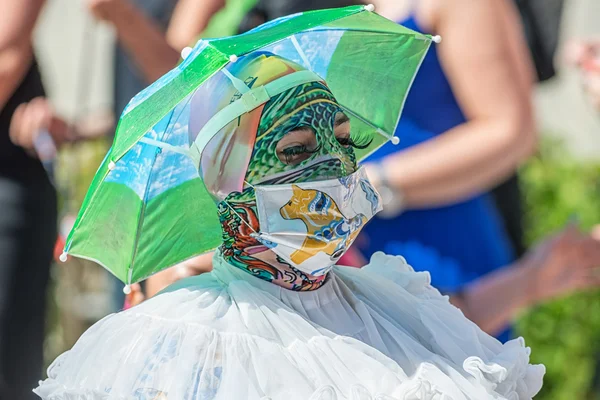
[328,230]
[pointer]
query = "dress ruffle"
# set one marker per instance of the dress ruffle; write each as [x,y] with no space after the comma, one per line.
[380,332]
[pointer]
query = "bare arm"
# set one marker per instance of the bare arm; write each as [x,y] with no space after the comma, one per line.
[483,56]
[190,18]
[16,53]
[155,53]
[493,301]
[140,36]
[560,265]
[194,266]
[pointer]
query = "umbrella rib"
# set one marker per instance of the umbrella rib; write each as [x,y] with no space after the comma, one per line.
[143,207]
[165,146]
[367,122]
[412,80]
[416,35]
[301,52]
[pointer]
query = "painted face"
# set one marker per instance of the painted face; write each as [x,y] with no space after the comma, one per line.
[303,135]
[299,135]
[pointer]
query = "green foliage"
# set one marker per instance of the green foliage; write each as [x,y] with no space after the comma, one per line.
[564,334]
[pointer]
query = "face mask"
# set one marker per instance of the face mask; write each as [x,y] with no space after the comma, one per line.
[310,225]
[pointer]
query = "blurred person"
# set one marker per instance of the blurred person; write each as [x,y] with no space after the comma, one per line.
[541,20]
[28,225]
[267,10]
[148,46]
[151,35]
[507,194]
[467,124]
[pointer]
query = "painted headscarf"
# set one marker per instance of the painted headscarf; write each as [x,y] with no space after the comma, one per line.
[246,154]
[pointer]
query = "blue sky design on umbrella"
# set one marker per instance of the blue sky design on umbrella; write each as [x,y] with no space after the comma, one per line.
[150,171]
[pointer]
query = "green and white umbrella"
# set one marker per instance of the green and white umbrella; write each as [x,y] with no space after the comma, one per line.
[147,207]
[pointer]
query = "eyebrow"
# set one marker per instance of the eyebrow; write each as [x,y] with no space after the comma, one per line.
[301,128]
[341,120]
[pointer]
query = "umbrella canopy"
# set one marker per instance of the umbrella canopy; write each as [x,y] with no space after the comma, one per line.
[148,207]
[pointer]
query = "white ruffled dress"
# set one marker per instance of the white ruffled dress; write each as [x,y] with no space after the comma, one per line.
[380,332]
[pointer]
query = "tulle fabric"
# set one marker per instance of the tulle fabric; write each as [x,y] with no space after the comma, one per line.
[380,332]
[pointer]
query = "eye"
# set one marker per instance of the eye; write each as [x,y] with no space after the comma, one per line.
[341,128]
[297,145]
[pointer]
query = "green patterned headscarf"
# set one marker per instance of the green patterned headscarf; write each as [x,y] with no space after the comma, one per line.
[312,109]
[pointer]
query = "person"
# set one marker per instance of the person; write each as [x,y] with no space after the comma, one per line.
[268,10]
[151,35]
[441,216]
[28,219]
[541,22]
[261,325]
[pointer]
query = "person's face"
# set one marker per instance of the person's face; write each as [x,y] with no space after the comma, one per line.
[303,136]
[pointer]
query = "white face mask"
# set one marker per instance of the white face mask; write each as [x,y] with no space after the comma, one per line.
[310,225]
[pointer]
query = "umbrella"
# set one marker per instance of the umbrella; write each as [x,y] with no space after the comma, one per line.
[147,207]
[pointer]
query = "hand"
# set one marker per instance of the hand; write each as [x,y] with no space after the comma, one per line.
[31,119]
[135,297]
[562,264]
[194,266]
[105,10]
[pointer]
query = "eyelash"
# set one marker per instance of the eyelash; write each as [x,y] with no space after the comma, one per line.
[347,141]
[298,150]
[302,149]
[289,152]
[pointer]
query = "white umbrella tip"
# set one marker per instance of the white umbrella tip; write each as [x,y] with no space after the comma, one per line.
[186,52]
[437,38]
[111,165]
[233,58]
[63,257]
[370,7]
[127,289]
[395,140]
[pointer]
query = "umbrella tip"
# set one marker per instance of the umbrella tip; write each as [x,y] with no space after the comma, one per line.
[186,52]
[63,257]
[370,7]
[395,140]
[437,38]
[111,165]
[233,58]
[127,289]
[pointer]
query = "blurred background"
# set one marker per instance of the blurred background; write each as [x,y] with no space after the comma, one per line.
[77,59]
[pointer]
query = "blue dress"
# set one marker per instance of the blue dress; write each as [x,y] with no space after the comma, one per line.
[456,243]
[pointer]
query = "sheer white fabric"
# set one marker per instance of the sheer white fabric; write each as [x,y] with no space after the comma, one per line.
[380,332]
